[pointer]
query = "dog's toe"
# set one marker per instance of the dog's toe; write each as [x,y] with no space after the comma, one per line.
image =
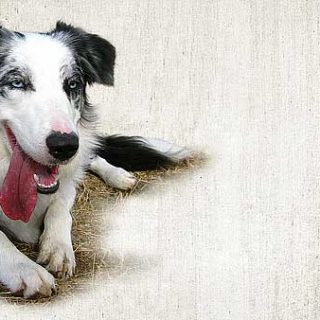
[33,281]
[58,259]
[127,182]
[121,179]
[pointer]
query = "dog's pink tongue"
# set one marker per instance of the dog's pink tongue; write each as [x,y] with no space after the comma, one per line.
[18,195]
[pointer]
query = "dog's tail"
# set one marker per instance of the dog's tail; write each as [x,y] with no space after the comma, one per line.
[135,153]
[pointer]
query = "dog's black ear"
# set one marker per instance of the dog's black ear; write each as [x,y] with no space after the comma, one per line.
[5,33]
[95,55]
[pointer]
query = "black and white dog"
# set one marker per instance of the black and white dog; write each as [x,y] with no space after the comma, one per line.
[48,137]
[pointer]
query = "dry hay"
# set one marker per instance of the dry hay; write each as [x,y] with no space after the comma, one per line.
[87,227]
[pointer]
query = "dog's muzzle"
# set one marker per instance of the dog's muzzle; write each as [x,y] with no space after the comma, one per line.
[62,146]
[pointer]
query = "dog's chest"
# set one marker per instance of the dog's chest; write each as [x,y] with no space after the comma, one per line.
[27,232]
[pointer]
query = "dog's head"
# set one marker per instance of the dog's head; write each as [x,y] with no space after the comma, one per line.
[43,78]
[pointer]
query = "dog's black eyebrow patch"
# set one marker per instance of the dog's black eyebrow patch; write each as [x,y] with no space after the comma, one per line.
[13,72]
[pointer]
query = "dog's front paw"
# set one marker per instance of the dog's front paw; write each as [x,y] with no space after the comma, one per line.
[30,279]
[58,258]
[121,179]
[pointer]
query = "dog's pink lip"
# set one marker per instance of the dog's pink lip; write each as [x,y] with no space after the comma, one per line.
[11,137]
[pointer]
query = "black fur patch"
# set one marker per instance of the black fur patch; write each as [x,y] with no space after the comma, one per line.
[5,37]
[16,74]
[131,153]
[95,55]
[74,93]
[19,34]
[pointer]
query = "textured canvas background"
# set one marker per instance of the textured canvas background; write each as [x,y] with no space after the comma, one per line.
[238,239]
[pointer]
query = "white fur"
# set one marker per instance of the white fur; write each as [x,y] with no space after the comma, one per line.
[19,273]
[113,176]
[32,115]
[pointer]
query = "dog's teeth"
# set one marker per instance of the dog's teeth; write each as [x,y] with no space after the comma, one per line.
[47,186]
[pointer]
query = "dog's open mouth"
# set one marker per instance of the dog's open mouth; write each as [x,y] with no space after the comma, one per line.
[24,179]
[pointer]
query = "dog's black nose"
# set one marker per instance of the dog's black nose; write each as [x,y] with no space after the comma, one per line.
[62,146]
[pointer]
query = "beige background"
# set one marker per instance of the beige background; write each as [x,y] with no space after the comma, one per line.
[238,239]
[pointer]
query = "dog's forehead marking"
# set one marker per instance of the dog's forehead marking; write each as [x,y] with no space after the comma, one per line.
[43,55]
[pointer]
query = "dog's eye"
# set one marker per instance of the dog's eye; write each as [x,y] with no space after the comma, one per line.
[74,84]
[17,84]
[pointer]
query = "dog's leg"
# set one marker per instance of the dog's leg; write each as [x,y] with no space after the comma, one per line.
[113,176]
[20,274]
[56,250]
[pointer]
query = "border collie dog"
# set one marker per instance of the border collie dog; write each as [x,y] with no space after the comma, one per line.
[47,127]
